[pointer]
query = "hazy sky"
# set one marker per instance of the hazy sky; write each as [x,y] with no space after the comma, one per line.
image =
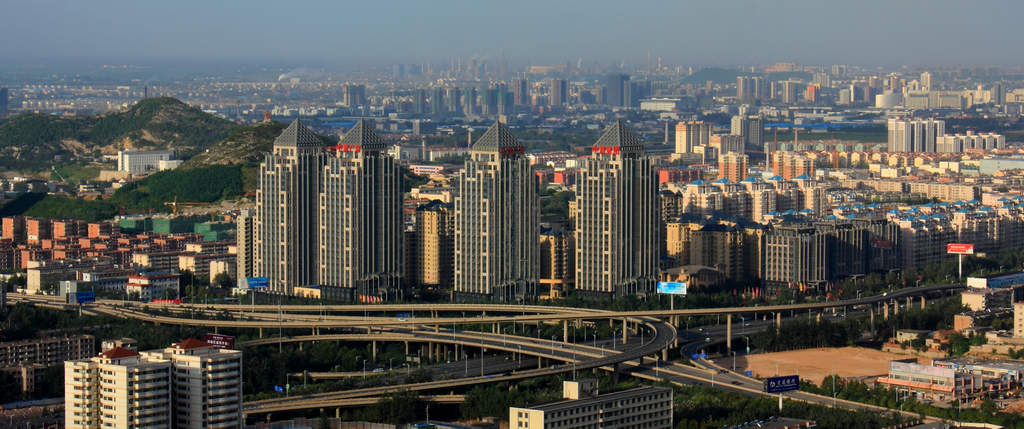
[691,33]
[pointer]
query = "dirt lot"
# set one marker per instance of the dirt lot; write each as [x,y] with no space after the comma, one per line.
[816,364]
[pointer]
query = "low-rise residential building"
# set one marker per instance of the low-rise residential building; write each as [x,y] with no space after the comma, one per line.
[153,285]
[47,351]
[583,407]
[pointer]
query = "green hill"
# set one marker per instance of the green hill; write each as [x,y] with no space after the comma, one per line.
[31,142]
[246,144]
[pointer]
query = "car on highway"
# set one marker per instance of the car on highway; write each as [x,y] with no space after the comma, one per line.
[735,383]
[378,370]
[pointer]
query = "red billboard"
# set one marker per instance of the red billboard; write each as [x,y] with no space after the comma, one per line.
[220,341]
[167,301]
[960,249]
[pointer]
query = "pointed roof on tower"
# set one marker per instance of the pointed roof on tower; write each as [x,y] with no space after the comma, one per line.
[496,137]
[298,135]
[618,135]
[363,135]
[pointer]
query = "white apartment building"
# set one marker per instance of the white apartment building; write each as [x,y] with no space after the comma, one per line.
[207,384]
[146,161]
[583,407]
[191,384]
[119,389]
[150,286]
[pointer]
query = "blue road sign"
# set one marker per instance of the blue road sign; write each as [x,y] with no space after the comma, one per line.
[703,355]
[750,373]
[782,384]
[695,356]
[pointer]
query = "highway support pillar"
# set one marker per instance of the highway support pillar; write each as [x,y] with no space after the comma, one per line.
[261,332]
[778,322]
[664,355]
[895,307]
[407,348]
[565,331]
[375,351]
[216,330]
[337,413]
[872,313]
[313,331]
[819,316]
[615,373]
[908,303]
[885,311]
[437,329]
[923,301]
[625,331]
[728,334]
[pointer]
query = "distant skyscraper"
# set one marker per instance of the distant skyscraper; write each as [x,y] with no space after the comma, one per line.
[355,95]
[505,102]
[914,135]
[245,240]
[469,100]
[749,87]
[286,229]
[489,102]
[692,134]
[431,246]
[398,71]
[361,218]
[559,92]
[789,92]
[617,219]
[520,92]
[751,128]
[454,99]
[997,94]
[926,81]
[419,101]
[635,91]
[437,101]
[497,222]
[4,108]
[616,89]
[733,166]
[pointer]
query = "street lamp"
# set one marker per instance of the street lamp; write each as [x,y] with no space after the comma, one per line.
[504,331]
[391,364]
[553,344]
[595,339]
[446,354]
[615,334]
[364,369]
[602,349]
[520,355]
[465,358]
[733,361]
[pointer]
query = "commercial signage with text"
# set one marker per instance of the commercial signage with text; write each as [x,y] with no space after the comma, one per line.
[960,249]
[220,341]
[782,384]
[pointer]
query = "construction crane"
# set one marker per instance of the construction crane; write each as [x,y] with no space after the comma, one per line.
[174,204]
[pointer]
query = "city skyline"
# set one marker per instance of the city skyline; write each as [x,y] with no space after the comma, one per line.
[805,32]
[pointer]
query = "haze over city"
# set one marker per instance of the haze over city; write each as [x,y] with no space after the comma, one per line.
[693,33]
